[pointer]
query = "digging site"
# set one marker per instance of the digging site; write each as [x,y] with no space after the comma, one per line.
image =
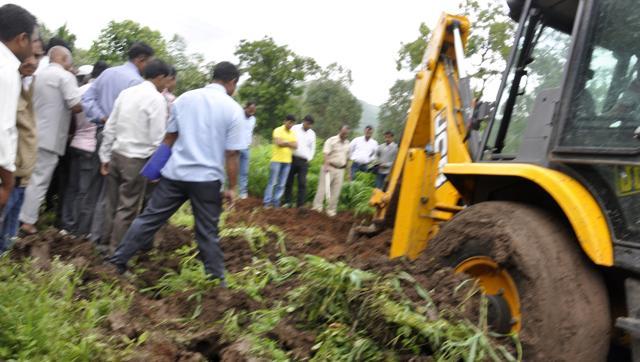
[296,291]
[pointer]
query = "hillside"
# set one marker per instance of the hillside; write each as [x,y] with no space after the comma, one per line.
[369,115]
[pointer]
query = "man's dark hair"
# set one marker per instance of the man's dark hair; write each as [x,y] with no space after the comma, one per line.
[308,118]
[55,41]
[290,117]
[368,127]
[249,104]
[172,71]
[140,49]
[98,68]
[225,71]
[156,68]
[15,20]
[388,133]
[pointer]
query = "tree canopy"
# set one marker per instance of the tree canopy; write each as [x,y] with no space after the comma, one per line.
[487,49]
[275,78]
[117,37]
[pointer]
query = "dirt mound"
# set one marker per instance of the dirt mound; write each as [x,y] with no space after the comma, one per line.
[184,327]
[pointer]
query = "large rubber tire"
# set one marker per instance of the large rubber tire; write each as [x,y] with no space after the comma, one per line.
[564,302]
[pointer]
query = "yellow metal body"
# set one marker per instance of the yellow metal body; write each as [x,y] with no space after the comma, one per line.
[433,146]
[494,280]
[581,209]
[433,136]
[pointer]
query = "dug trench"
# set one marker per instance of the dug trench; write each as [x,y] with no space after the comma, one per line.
[187,326]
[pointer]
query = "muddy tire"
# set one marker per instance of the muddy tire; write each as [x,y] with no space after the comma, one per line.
[564,303]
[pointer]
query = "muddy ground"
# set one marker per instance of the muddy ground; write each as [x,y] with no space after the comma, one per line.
[172,338]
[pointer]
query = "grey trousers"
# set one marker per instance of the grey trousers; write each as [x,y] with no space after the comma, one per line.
[124,196]
[36,190]
[82,191]
[168,196]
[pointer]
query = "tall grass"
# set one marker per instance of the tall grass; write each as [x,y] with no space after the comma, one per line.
[50,316]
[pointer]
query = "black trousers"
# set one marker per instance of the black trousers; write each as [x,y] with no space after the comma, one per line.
[299,169]
[169,195]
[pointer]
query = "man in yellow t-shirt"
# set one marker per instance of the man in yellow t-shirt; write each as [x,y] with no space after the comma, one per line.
[284,142]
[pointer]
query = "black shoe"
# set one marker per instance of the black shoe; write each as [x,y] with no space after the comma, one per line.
[118,268]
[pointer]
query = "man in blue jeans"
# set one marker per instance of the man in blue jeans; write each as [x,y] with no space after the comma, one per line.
[203,138]
[247,134]
[284,142]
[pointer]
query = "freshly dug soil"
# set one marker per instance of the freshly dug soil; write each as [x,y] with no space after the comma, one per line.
[173,336]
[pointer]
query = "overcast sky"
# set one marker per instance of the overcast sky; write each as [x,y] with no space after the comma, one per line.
[363,36]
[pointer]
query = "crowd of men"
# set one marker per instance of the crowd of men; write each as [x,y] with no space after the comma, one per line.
[294,146]
[135,153]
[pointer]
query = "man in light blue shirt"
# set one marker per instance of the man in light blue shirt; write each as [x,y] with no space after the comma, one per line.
[98,100]
[205,135]
[247,130]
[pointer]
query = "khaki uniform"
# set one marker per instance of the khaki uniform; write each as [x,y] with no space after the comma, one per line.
[27,137]
[336,153]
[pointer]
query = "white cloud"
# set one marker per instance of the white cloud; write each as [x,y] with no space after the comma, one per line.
[363,36]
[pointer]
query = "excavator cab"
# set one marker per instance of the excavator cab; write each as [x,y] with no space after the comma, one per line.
[542,204]
[570,101]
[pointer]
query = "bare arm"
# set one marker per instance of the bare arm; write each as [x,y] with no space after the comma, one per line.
[8,181]
[77,108]
[280,143]
[170,138]
[232,164]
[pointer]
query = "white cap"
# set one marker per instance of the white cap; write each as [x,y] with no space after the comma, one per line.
[85,69]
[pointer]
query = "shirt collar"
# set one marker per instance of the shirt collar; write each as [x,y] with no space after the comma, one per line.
[148,84]
[132,67]
[9,57]
[217,87]
[52,64]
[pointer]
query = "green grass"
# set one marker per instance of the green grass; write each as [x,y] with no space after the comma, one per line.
[183,217]
[42,317]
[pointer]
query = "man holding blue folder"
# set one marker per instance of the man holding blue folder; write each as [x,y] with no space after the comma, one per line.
[203,138]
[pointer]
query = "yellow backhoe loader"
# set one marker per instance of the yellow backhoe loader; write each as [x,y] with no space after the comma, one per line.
[538,195]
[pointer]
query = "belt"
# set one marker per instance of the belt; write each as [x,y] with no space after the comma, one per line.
[18,181]
[338,167]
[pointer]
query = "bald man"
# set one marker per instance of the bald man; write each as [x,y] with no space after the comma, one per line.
[55,97]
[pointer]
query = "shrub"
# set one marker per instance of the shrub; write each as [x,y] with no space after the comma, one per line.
[44,317]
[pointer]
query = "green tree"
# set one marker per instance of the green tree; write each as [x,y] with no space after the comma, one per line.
[275,79]
[117,37]
[393,112]
[45,33]
[490,41]
[411,53]
[65,34]
[487,49]
[332,105]
[193,72]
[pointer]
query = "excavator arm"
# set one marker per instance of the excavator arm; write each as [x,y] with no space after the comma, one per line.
[418,196]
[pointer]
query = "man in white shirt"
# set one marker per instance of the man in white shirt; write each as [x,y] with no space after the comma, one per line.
[301,157]
[247,136]
[55,96]
[18,29]
[133,132]
[362,151]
